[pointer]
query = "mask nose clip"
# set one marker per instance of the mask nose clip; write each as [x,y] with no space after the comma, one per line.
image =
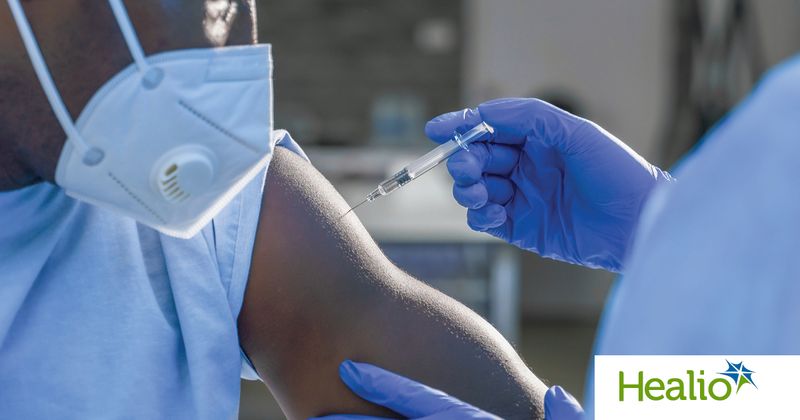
[152,78]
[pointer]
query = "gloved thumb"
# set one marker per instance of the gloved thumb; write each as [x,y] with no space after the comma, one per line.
[515,120]
[561,405]
[441,128]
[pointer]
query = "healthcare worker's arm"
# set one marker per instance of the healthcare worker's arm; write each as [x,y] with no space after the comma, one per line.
[321,291]
[548,181]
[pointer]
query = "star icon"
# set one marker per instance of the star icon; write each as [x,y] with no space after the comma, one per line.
[740,375]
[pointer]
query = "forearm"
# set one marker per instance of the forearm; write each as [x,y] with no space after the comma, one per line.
[321,291]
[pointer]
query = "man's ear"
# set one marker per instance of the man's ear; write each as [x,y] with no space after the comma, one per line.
[220,15]
[230,22]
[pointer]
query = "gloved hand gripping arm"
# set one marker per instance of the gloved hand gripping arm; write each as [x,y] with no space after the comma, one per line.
[548,181]
[414,400]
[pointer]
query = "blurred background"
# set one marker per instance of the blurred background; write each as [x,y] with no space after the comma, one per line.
[356,80]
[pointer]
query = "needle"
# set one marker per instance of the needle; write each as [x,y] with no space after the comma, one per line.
[355,207]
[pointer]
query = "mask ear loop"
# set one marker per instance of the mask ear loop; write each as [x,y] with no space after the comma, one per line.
[151,76]
[91,155]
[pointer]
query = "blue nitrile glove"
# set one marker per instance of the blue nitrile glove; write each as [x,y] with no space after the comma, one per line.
[561,405]
[403,396]
[548,181]
[416,401]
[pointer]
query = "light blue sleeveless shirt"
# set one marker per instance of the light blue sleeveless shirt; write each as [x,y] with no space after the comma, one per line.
[101,317]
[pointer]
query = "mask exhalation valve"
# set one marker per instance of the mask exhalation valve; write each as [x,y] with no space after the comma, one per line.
[184,174]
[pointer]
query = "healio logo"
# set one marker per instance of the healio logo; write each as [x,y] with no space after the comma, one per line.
[691,386]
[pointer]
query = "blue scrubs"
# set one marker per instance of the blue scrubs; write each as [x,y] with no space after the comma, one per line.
[101,317]
[715,269]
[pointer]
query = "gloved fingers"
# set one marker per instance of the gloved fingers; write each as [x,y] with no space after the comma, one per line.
[471,196]
[467,167]
[397,393]
[514,119]
[501,159]
[560,404]
[441,128]
[509,117]
[500,190]
[491,188]
[487,217]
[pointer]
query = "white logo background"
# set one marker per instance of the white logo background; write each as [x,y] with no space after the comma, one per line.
[777,396]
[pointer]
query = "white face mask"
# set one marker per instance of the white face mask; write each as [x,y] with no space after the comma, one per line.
[170,140]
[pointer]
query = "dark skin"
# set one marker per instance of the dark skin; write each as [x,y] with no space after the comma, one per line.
[320,290]
[83,47]
[350,302]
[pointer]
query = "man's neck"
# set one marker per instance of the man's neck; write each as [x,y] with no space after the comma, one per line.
[14,175]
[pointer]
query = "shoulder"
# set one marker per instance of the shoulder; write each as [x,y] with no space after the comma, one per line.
[783,80]
[741,177]
[755,144]
[719,244]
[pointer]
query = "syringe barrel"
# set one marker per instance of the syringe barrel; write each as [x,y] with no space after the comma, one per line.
[445,150]
[392,183]
[429,160]
[432,158]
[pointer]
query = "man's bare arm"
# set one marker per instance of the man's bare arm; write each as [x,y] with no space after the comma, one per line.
[321,291]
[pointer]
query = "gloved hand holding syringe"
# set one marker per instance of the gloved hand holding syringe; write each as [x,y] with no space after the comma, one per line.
[427,162]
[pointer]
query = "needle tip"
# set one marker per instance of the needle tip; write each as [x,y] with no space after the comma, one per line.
[354,207]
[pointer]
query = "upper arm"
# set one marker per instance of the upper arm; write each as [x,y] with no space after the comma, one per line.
[321,291]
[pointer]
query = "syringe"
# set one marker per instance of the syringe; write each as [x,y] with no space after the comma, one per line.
[427,162]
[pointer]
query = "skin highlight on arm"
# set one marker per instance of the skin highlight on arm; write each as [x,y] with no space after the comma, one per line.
[321,291]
